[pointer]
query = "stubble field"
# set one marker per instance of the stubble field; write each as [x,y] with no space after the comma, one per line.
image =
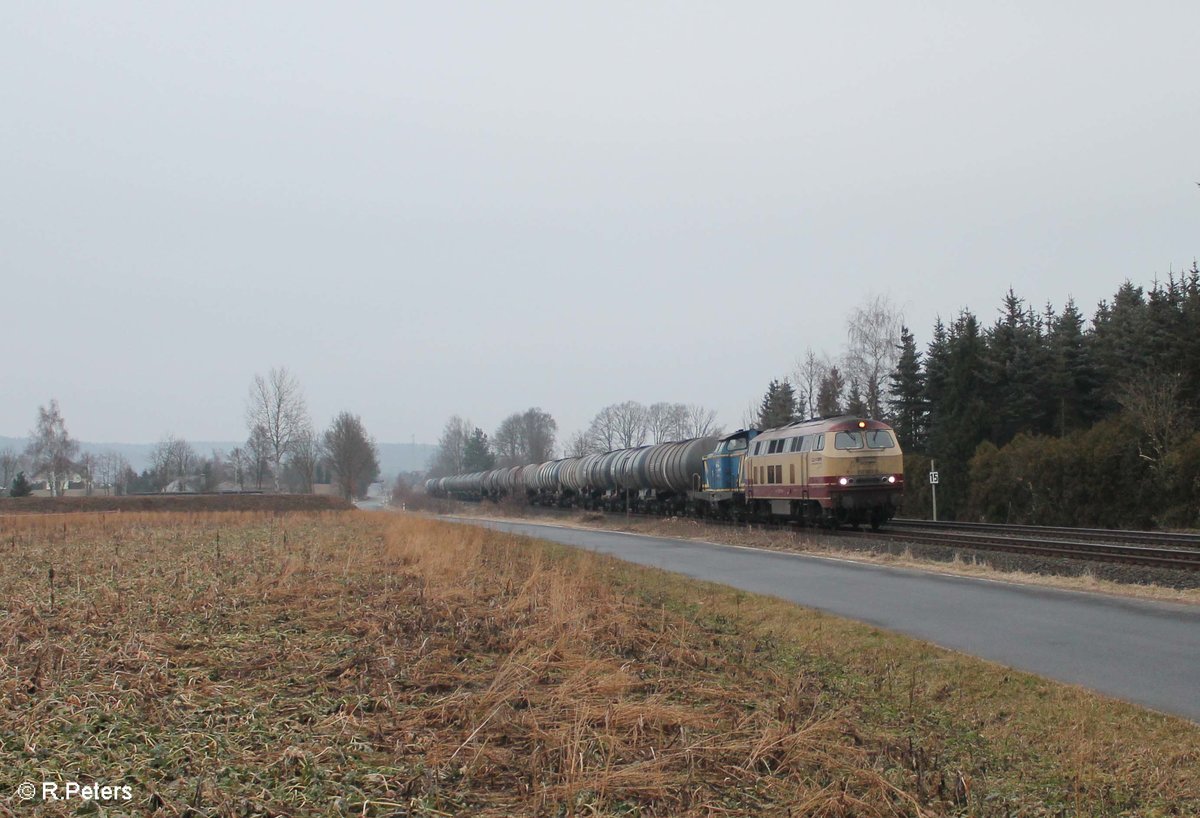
[346,663]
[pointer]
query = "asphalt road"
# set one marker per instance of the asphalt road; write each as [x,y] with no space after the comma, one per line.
[1140,651]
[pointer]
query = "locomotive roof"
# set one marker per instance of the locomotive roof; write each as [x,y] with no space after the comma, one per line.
[737,434]
[836,423]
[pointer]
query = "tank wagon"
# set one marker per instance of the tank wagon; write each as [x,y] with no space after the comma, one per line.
[825,471]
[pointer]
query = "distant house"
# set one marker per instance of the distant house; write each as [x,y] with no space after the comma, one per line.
[71,485]
[230,487]
[184,485]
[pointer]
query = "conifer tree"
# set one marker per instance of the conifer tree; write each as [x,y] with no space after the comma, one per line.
[829,394]
[1011,372]
[1120,342]
[1189,340]
[778,406]
[961,412]
[907,404]
[1072,378]
[21,487]
[856,404]
[477,454]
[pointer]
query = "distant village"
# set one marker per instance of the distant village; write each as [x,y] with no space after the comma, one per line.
[283,453]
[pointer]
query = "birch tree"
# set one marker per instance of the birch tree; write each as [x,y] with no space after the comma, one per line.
[873,335]
[275,408]
[51,448]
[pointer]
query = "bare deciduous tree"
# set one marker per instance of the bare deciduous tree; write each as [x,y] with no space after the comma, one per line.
[507,442]
[810,371]
[258,450]
[51,448]
[276,406]
[110,468]
[701,422]
[581,444]
[620,426]
[448,459]
[86,466]
[750,415]
[540,431]
[1153,400]
[525,437]
[667,421]
[173,458]
[302,464]
[873,335]
[239,462]
[352,454]
[213,469]
[10,464]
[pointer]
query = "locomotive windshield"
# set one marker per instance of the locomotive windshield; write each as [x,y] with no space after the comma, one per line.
[848,440]
[880,439]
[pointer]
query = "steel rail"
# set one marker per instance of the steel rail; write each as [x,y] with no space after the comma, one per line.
[1125,553]
[1089,550]
[1112,535]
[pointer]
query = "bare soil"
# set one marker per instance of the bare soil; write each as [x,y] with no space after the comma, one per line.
[173,503]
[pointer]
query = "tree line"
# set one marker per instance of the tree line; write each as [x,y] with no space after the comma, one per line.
[1045,417]
[530,436]
[1041,416]
[856,381]
[282,452]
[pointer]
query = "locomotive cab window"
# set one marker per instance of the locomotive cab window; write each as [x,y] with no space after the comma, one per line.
[819,446]
[736,445]
[806,443]
[879,439]
[848,440]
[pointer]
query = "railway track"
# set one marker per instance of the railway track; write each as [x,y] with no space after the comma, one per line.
[1176,557]
[1158,538]
[1149,548]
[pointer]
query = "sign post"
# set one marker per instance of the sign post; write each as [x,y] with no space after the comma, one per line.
[933,484]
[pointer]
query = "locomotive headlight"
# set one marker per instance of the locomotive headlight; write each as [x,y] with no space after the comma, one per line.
[842,481]
[891,478]
[862,424]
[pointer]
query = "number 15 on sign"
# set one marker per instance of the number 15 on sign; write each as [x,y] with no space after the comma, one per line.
[933,481]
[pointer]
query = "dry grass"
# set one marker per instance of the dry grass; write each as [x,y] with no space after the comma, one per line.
[373,664]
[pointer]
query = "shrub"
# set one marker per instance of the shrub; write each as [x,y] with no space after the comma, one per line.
[20,486]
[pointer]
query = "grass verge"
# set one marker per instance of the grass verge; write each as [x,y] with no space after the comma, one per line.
[379,664]
[961,561]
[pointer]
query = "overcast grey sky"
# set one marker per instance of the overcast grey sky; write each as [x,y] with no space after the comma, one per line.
[435,208]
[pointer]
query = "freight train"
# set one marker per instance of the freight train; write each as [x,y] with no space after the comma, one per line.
[826,471]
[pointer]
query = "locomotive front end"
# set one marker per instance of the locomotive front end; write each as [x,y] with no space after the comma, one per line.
[863,469]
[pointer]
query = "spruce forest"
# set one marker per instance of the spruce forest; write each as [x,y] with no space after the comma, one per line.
[1047,418]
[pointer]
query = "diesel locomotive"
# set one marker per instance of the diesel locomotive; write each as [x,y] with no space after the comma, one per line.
[826,471]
